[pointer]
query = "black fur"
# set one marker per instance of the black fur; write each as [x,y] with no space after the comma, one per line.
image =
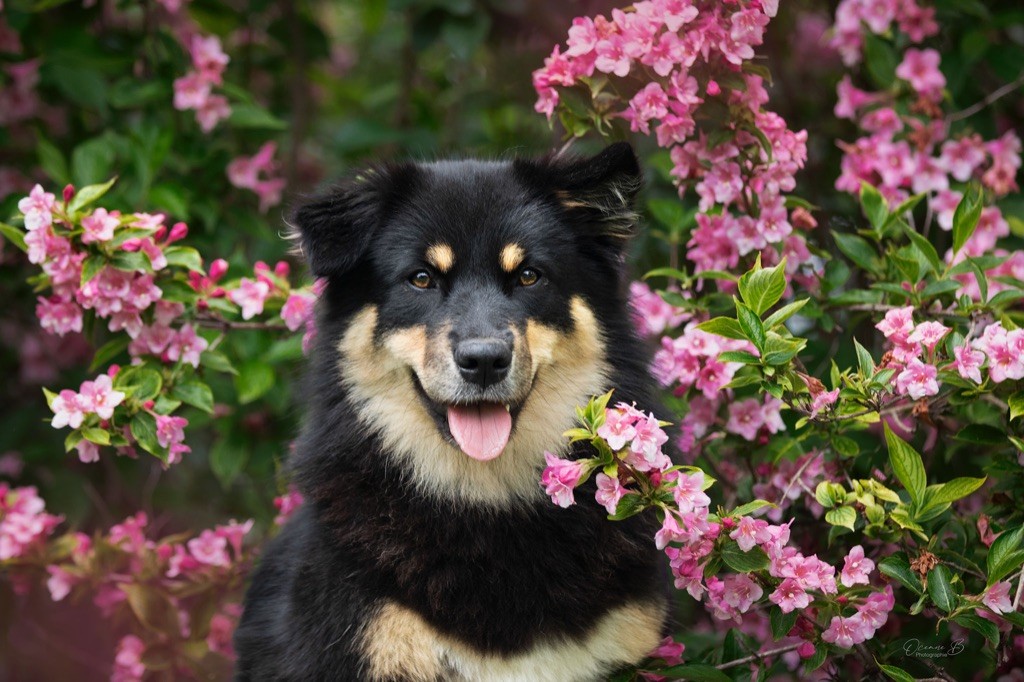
[496,579]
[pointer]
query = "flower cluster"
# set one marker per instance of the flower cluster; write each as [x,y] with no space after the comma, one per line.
[690,56]
[130,271]
[913,20]
[245,172]
[24,523]
[651,313]
[194,90]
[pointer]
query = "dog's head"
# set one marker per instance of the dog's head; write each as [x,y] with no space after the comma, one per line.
[482,289]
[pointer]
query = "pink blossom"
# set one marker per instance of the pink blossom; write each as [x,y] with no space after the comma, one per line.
[100,397]
[823,400]
[617,429]
[750,532]
[59,583]
[845,632]
[99,226]
[961,157]
[968,362]
[210,548]
[286,505]
[745,418]
[191,91]
[211,111]
[688,491]
[650,103]
[244,171]
[790,596]
[856,569]
[875,610]
[997,598]
[670,651]
[928,334]
[208,57]
[897,324]
[58,316]
[187,346]
[128,665]
[67,410]
[609,492]
[170,430]
[917,380]
[88,452]
[250,296]
[297,309]
[920,68]
[648,438]
[559,478]
[741,592]
[650,312]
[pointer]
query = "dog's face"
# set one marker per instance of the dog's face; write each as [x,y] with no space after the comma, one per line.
[477,334]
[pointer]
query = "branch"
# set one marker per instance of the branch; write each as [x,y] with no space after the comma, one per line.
[219,323]
[759,656]
[990,99]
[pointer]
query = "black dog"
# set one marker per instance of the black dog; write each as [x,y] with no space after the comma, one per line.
[470,307]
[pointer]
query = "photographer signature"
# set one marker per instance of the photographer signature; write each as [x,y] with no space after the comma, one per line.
[914,647]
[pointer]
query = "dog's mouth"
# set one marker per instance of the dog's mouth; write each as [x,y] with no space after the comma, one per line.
[481,429]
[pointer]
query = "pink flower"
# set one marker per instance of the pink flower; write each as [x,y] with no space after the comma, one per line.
[170,430]
[559,478]
[928,334]
[286,505]
[67,410]
[648,438]
[212,111]
[617,429]
[917,380]
[187,346]
[208,57]
[609,492]
[741,592]
[210,548]
[745,418]
[191,91]
[244,171]
[750,532]
[845,632]
[997,598]
[875,609]
[790,596]
[250,296]
[88,452]
[99,227]
[897,324]
[650,103]
[128,665]
[968,362]
[37,208]
[669,651]
[58,316]
[297,309]
[823,400]
[689,491]
[857,568]
[59,583]
[920,68]
[100,397]
[961,157]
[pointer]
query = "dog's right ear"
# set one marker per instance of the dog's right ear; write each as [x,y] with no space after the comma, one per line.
[335,228]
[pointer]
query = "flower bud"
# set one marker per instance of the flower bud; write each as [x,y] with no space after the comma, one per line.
[806,650]
[160,233]
[281,269]
[113,370]
[218,268]
[69,192]
[714,89]
[131,245]
[178,231]
[148,404]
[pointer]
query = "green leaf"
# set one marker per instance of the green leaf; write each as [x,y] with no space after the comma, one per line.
[254,116]
[96,435]
[864,360]
[184,256]
[922,244]
[842,516]
[153,608]
[1001,554]
[672,273]
[751,325]
[723,326]
[744,562]
[14,236]
[761,289]
[739,356]
[108,351]
[143,428]
[52,162]
[779,350]
[986,627]
[981,434]
[227,460]
[873,203]
[631,504]
[784,313]
[698,672]
[954,490]
[857,249]
[940,589]
[141,383]
[195,393]
[898,568]
[881,61]
[966,216]
[254,379]
[907,465]
[749,507]
[781,623]
[1016,403]
[894,673]
[92,267]
[89,194]
[217,361]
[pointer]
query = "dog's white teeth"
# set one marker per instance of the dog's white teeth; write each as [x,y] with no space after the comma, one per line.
[508,408]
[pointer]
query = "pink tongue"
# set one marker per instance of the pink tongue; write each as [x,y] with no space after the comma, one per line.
[481,430]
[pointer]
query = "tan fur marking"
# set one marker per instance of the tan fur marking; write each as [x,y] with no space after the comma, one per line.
[511,257]
[400,644]
[566,369]
[441,257]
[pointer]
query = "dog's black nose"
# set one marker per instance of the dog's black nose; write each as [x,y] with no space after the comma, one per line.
[483,361]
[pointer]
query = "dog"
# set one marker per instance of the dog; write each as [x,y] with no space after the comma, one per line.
[470,306]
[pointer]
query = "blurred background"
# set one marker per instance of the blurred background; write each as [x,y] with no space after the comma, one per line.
[86,92]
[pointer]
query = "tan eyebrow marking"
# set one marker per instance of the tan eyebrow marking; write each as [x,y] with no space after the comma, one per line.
[441,257]
[511,257]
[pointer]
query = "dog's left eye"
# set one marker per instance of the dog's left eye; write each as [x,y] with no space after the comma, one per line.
[528,277]
[421,279]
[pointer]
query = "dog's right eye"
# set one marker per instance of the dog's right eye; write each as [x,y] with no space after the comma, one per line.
[421,279]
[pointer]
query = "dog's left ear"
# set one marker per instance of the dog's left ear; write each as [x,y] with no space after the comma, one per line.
[598,192]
